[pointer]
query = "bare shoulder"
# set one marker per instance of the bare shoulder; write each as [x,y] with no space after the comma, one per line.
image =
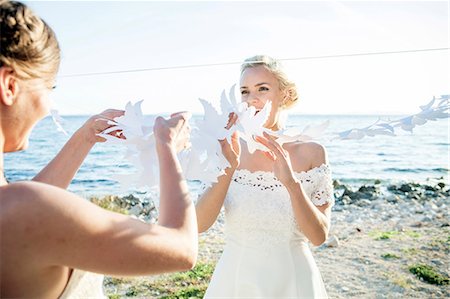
[19,198]
[42,207]
[25,199]
[306,155]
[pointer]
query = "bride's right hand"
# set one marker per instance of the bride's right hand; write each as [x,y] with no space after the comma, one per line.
[232,151]
[174,131]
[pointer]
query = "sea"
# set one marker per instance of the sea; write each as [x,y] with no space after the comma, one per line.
[421,156]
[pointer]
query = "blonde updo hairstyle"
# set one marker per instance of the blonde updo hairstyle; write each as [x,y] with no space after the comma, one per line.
[28,45]
[275,67]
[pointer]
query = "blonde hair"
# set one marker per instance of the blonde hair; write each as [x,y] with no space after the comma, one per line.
[28,45]
[275,67]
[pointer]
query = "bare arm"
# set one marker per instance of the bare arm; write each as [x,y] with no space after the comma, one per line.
[61,170]
[60,228]
[210,202]
[313,221]
[177,210]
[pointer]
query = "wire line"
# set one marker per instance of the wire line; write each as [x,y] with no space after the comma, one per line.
[240,62]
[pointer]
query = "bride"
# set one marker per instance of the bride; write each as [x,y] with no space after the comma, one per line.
[275,202]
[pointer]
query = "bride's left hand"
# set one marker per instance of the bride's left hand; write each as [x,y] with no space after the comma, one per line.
[282,167]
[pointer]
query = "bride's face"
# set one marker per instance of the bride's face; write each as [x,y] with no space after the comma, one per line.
[258,86]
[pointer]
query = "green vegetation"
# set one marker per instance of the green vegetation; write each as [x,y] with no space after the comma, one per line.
[412,234]
[411,251]
[190,293]
[386,235]
[398,279]
[109,202]
[190,284]
[428,274]
[390,256]
[377,235]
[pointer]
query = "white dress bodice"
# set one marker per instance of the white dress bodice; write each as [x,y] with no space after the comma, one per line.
[258,207]
[84,285]
[266,255]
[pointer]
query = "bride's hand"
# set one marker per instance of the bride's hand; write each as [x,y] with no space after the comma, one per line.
[174,131]
[99,123]
[282,167]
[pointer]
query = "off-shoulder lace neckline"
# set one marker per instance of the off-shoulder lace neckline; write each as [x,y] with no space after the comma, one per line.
[266,172]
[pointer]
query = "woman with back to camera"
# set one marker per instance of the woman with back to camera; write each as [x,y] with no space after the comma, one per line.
[51,239]
[275,202]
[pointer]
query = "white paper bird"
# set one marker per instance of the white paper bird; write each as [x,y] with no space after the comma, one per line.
[204,160]
[58,121]
[140,143]
[310,132]
[437,108]
[250,124]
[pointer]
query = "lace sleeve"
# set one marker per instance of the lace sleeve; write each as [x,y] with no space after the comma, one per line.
[322,192]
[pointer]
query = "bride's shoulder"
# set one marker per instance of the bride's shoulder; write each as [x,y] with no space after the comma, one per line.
[306,154]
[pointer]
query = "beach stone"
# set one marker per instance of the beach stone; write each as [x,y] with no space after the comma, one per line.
[350,218]
[405,188]
[135,210]
[337,184]
[346,200]
[393,198]
[332,241]
[363,203]
[392,188]
[441,185]
[437,262]
[426,219]
[368,189]
[417,224]
[338,208]
[399,227]
[430,188]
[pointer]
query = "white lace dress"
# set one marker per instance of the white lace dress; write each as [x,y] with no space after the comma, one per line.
[266,255]
[84,285]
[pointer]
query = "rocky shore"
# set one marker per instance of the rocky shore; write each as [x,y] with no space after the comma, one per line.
[386,241]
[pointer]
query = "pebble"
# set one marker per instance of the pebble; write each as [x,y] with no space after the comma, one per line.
[332,241]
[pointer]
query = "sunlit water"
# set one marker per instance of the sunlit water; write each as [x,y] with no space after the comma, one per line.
[416,157]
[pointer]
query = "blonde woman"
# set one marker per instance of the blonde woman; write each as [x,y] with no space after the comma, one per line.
[275,202]
[51,239]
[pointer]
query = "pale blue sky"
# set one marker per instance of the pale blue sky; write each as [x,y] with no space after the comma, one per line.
[102,36]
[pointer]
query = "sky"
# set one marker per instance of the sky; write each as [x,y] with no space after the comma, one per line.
[110,36]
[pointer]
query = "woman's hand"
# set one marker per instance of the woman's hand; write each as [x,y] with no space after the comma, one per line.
[174,131]
[282,163]
[231,151]
[99,123]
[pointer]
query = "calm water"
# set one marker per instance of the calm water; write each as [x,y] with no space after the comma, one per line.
[408,157]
